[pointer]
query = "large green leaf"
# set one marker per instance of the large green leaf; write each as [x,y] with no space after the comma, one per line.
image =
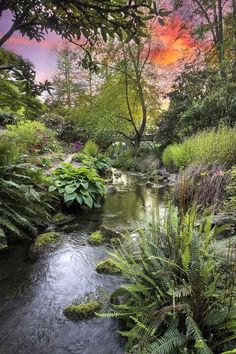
[68,197]
[88,201]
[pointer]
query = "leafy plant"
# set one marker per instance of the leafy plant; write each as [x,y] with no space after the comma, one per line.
[211,147]
[230,199]
[80,185]
[180,295]
[100,163]
[32,135]
[126,160]
[22,207]
[90,148]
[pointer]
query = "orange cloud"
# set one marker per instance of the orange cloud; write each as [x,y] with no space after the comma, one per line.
[171,42]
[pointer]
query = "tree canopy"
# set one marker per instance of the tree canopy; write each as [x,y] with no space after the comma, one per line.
[79,19]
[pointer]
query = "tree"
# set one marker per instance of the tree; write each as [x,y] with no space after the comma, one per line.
[78,19]
[209,17]
[19,90]
[137,80]
[200,99]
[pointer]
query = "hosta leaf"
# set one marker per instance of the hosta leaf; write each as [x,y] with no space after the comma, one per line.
[68,197]
[52,188]
[88,201]
[70,189]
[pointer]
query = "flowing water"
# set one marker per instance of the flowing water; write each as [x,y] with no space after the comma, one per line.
[34,294]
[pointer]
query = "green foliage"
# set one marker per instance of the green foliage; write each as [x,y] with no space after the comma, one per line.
[126,160]
[9,152]
[230,198]
[86,20]
[46,239]
[211,147]
[82,311]
[22,207]
[81,185]
[96,238]
[32,136]
[100,163]
[180,295]
[199,100]
[91,148]
[62,125]
[19,90]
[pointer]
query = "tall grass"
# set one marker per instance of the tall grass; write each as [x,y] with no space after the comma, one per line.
[209,147]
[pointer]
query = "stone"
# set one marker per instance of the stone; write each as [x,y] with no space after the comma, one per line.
[111,189]
[61,219]
[109,233]
[44,242]
[149,184]
[96,238]
[78,312]
[108,266]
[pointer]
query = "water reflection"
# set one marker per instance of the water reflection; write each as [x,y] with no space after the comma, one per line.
[33,295]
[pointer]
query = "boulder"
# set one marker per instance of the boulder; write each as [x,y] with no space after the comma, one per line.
[78,312]
[111,189]
[108,266]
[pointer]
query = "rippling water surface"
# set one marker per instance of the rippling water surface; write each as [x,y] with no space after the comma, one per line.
[34,294]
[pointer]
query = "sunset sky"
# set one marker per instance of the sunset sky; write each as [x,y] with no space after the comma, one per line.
[170,43]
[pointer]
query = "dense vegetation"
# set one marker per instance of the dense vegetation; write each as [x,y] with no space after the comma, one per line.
[179,298]
[116,100]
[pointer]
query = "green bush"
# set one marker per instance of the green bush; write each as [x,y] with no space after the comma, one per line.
[100,163]
[126,160]
[211,147]
[80,185]
[91,148]
[180,295]
[32,136]
[9,152]
[22,207]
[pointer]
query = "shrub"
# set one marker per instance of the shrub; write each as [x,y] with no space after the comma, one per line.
[32,135]
[80,185]
[202,186]
[180,295]
[22,207]
[90,148]
[100,163]
[211,147]
[9,152]
[126,160]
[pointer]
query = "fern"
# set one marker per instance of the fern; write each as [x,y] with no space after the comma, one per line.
[180,295]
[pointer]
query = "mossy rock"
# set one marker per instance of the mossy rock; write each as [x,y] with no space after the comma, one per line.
[108,266]
[82,311]
[60,218]
[110,234]
[46,239]
[96,238]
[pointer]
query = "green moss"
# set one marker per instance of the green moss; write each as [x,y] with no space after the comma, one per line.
[46,239]
[108,266]
[96,238]
[60,218]
[82,311]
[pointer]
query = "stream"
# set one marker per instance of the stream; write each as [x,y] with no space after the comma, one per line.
[34,294]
